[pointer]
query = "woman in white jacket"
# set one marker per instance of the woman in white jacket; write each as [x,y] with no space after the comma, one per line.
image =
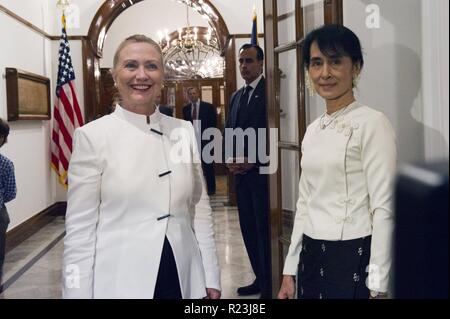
[344,220]
[138,223]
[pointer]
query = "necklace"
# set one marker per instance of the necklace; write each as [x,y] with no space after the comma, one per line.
[325,122]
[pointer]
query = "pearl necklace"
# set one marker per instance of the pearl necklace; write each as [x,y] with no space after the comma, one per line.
[324,123]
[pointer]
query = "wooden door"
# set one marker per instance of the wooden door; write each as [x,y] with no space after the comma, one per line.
[286,23]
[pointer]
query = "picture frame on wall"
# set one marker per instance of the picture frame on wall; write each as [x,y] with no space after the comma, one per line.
[27,95]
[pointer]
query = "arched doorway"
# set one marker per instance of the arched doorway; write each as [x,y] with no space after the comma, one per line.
[103,19]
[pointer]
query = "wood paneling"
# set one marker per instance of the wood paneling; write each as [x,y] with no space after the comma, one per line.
[246,35]
[271,41]
[333,12]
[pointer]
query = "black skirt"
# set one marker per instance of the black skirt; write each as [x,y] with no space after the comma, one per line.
[167,284]
[333,269]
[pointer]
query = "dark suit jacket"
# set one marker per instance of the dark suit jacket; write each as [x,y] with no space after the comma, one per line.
[166,110]
[207,116]
[253,116]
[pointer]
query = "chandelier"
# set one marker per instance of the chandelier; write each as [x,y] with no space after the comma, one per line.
[187,38]
[191,52]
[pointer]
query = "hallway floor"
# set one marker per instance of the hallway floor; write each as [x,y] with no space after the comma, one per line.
[33,269]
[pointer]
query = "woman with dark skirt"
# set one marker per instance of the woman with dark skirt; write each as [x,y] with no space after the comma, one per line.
[341,241]
[138,224]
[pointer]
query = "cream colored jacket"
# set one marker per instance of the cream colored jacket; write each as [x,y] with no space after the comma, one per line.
[346,186]
[117,195]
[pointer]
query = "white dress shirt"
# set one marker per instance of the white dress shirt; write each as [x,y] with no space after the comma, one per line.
[253,85]
[124,180]
[346,186]
[195,105]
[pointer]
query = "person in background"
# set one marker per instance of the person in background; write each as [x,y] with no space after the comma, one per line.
[164,109]
[344,220]
[138,222]
[8,191]
[205,114]
[248,111]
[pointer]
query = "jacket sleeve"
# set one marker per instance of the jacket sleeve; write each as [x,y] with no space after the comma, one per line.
[10,184]
[203,221]
[83,202]
[379,156]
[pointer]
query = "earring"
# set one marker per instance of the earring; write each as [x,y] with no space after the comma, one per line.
[355,80]
[310,85]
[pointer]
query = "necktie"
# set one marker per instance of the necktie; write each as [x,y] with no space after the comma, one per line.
[194,111]
[243,102]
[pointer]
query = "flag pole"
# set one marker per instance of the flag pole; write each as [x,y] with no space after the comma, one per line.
[254,40]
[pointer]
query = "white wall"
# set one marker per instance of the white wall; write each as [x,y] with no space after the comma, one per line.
[238,14]
[28,143]
[392,80]
[435,76]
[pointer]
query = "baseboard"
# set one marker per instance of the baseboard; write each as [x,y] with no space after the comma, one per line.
[25,230]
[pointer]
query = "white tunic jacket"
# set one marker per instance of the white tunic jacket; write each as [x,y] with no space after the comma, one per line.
[345,189]
[118,192]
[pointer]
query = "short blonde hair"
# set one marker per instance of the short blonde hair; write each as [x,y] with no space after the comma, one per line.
[137,38]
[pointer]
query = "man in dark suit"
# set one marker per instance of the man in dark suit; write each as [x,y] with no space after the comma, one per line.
[206,114]
[248,111]
[167,110]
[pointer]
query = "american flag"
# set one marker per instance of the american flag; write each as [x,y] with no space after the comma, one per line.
[67,113]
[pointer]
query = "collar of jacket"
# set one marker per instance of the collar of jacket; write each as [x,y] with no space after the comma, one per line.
[140,121]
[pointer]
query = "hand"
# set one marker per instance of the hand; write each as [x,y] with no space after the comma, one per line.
[287,290]
[213,293]
[378,295]
[239,166]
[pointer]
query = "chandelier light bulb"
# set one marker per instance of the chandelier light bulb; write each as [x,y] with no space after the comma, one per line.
[62,4]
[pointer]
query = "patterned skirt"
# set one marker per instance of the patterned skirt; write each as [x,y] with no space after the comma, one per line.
[333,269]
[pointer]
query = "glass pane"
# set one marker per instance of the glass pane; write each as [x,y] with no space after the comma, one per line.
[290,176]
[286,29]
[288,97]
[285,6]
[207,94]
[313,16]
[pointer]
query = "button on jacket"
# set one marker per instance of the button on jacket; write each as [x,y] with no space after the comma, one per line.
[128,190]
[346,186]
